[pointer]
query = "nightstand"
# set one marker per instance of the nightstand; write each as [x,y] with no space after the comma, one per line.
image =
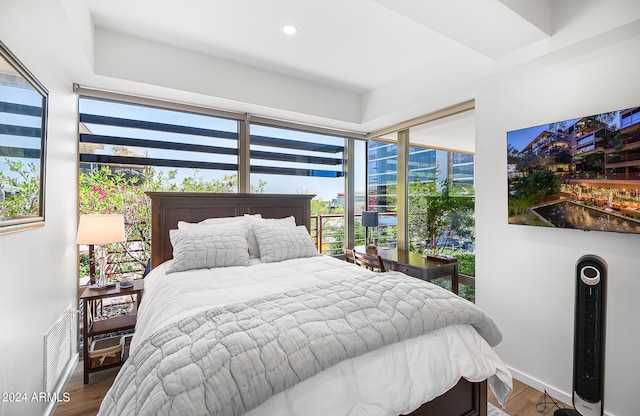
[92,327]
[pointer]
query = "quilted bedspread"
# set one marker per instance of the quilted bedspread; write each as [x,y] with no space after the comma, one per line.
[229,359]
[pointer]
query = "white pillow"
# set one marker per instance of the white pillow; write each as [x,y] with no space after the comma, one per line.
[254,249]
[278,243]
[183,225]
[226,220]
[206,247]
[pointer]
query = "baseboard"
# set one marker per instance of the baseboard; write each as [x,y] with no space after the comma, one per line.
[539,385]
[552,391]
[51,408]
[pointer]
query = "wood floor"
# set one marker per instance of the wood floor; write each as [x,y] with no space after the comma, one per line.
[527,401]
[85,399]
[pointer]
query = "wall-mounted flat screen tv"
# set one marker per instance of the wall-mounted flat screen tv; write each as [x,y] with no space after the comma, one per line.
[582,173]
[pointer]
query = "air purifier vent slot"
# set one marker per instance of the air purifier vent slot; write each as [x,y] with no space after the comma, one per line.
[590,332]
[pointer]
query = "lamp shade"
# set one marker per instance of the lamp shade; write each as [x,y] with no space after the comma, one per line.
[369,218]
[100,229]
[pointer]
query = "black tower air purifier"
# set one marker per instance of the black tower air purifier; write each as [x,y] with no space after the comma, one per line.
[588,338]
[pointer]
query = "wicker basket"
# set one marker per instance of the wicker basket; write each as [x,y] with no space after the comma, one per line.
[105,351]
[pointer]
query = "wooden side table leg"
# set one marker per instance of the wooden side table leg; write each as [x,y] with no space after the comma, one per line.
[85,343]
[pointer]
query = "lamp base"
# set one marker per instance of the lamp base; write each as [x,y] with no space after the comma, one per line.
[371,249]
[102,282]
[101,254]
[106,286]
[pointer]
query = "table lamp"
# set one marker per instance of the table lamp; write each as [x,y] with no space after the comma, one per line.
[99,230]
[370,220]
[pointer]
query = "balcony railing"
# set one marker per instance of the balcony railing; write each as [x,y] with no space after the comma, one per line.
[586,140]
[622,158]
[328,232]
[624,142]
[630,120]
[586,149]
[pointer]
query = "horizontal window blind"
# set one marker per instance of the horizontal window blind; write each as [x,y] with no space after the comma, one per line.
[21,111]
[117,133]
[279,151]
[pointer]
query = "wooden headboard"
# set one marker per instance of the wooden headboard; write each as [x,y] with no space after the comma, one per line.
[167,208]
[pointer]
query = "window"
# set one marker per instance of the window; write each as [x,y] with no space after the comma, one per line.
[440,201]
[179,150]
[429,170]
[277,153]
[292,161]
[127,149]
[462,168]
[382,188]
[23,121]
[130,145]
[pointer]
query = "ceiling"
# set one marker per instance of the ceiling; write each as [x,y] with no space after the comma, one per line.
[358,65]
[356,45]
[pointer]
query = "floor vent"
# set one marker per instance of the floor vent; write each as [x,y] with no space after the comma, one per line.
[58,350]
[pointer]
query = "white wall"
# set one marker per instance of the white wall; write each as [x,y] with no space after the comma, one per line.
[525,275]
[38,271]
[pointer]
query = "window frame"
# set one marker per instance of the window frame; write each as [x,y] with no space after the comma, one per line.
[27,222]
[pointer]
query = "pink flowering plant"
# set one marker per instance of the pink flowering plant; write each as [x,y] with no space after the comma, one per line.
[122,191]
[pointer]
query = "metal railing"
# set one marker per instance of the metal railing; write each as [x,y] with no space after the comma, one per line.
[327,230]
[629,120]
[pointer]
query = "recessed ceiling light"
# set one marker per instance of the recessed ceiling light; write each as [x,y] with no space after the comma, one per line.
[289,29]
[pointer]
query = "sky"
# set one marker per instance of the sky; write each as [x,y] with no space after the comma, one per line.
[522,137]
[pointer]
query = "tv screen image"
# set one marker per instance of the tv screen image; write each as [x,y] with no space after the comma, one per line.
[582,173]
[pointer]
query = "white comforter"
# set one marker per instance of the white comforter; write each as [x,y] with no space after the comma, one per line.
[389,381]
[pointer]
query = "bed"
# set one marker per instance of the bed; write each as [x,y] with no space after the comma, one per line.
[422,375]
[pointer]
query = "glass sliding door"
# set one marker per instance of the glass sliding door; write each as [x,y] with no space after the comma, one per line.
[440,192]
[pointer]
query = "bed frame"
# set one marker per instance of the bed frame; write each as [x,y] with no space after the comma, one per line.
[167,208]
